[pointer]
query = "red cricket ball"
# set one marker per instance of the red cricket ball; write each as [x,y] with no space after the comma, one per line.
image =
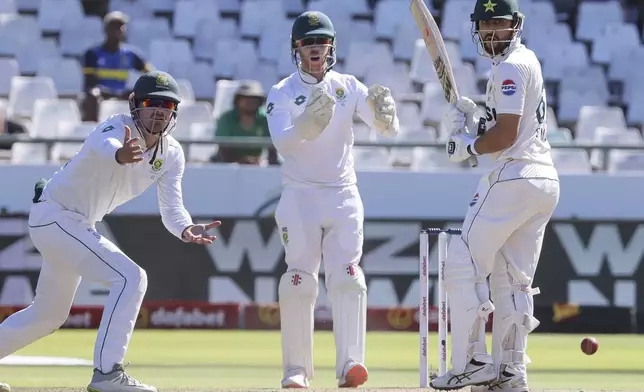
[589,345]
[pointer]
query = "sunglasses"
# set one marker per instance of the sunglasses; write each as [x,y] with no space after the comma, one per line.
[159,103]
[313,41]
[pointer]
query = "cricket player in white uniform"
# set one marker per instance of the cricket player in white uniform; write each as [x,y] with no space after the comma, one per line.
[505,223]
[119,160]
[320,213]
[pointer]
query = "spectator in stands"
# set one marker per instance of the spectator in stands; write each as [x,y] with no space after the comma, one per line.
[107,66]
[246,119]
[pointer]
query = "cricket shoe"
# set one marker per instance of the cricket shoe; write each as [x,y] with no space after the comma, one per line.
[4,387]
[295,378]
[353,375]
[476,373]
[506,382]
[117,381]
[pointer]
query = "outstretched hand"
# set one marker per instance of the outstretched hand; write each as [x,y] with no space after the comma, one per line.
[197,234]
[131,152]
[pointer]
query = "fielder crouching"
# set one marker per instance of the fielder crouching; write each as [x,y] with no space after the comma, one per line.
[112,167]
[504,226]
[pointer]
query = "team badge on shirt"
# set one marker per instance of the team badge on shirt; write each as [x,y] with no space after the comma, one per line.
[285,236]
[339,93]
[508,87]
[157,164]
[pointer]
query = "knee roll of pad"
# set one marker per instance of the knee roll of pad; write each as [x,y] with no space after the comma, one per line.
[298,284]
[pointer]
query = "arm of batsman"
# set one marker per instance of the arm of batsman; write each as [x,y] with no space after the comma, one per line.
[383,106]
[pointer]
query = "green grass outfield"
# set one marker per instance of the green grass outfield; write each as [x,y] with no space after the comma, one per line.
[242,360]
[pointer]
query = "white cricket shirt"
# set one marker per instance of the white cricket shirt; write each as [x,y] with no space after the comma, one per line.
[328,159]
[93,184]
[516,86]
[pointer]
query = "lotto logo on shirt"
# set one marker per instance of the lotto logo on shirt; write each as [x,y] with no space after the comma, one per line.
[508,87]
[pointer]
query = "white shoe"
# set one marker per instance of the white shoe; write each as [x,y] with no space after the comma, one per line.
[476,373]
[506,382]
[117,381]
[295,379]
[354,375]
[4,387]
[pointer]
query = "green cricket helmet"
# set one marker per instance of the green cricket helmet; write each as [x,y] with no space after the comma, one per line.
[154,102]
[489,10]
[313,29]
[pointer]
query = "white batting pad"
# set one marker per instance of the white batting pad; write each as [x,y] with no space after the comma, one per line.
[347,292]
[298,291]
[470,307]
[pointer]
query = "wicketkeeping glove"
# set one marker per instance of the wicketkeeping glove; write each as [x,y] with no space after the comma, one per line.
[384,109]
[317,114]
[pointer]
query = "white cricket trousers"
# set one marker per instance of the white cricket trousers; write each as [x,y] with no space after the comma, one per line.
[73,250]
[319,223]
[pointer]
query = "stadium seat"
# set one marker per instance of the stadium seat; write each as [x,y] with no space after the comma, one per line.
[273,39]
[63,152]
[189,13]
[165,6]
[594,15]
[593,117]
[136,10]
[294,6]
[433,159]
[571,161]
[75,128]
[66,73]
[229,6]
[141,33]
[258,17]
[395,77]
[17,31]
[52,14]
[208,33]
[225,65]
[111,107]
[434,105]
[202,152]
[559,136]
[349,31]
[612,38]
[388,16]
[24,92]
[455,13]
[48,113]
[76,38]
[543,38]
[27,5]
[8,69]
[408,115]
[604,135]
[186,92]
[165,52]
[364,55]
[30,56]
[264,73]
[337,14]
[625,161]
[191,113]
[29,153]
[622,60]
[560,56]
[469,50]
[8,7]
[371,158]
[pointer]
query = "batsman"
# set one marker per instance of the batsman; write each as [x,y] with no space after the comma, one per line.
[505,223]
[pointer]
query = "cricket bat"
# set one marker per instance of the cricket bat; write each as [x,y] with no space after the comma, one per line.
[436,47]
